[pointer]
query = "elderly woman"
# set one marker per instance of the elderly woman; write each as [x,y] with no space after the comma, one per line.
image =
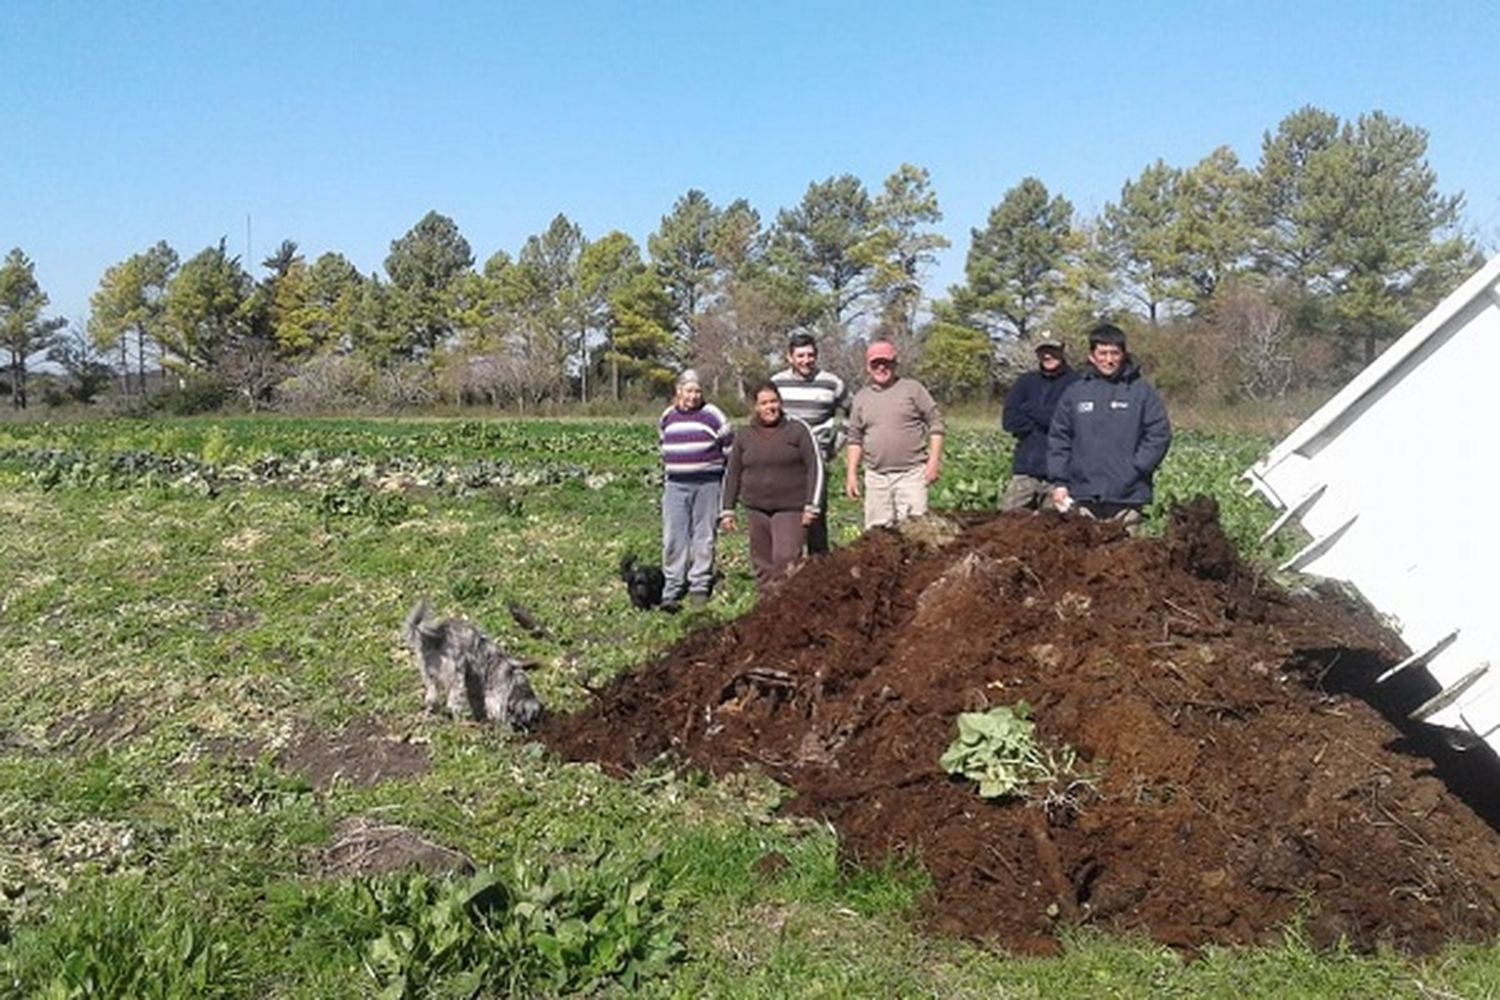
[776,468]
[695,439]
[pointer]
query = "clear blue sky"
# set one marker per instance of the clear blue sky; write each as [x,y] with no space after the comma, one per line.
[339,125]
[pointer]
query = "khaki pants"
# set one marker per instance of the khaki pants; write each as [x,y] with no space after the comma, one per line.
[1026,493]
[894,495]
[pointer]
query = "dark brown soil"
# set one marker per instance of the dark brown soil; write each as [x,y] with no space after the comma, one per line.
[117,722]
[1232,788]
[363,754]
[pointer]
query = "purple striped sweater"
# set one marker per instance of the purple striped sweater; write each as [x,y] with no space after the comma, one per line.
[695,443]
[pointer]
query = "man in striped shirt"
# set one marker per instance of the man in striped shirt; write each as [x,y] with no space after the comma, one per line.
[695,440]
[815,397]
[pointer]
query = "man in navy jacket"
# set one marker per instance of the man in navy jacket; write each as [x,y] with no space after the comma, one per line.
[1028,415]
[1108,436]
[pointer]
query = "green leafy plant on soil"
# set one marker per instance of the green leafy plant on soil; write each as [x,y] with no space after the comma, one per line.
[351,499]
[999,750]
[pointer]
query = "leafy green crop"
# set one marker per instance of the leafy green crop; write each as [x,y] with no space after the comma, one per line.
[999,750]
[557,929]
[352,499]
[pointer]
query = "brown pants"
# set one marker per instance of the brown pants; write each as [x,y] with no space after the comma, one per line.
[776,538]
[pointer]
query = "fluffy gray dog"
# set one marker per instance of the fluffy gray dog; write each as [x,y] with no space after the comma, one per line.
[461,667]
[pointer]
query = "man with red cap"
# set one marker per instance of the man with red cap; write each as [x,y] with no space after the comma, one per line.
[896,431]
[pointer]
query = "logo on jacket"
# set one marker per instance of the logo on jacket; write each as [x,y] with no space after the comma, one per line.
[1085,406]
[1119,404]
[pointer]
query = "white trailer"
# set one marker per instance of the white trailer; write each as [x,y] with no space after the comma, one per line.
[1397,481]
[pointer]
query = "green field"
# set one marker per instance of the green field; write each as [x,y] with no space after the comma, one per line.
[189,609]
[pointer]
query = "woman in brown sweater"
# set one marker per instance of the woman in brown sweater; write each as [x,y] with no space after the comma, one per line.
[776,470]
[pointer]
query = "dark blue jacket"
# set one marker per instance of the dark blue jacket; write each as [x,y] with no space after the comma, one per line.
[1108,436]
[1028,414]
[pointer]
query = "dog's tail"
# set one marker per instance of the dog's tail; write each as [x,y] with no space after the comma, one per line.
[418,623]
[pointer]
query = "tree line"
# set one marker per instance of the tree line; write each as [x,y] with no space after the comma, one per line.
[1300,267]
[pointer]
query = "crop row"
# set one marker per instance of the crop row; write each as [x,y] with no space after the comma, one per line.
[241,440]
[54,468]
[341,459]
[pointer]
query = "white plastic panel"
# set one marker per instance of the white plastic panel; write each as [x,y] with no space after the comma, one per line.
[1408,455]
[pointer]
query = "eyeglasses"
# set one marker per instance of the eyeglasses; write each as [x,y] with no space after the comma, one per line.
[882,363]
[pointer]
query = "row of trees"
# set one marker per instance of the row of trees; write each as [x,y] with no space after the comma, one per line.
[1338,234]
[1340,226]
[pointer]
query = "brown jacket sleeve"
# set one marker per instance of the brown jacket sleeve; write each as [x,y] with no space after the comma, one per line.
[812,461]
[731,494]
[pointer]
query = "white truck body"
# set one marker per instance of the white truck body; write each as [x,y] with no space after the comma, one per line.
[1397,480]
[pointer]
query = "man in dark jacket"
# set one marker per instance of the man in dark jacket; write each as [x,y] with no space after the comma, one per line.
[1028,415]
[1109,434]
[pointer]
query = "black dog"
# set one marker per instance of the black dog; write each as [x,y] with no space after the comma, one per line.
[645,583]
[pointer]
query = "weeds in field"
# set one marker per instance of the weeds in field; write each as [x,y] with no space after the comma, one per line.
[122,939]
[562,930]
[351,498]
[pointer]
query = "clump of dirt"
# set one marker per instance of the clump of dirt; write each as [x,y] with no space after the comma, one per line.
[365,847]
[1230,791]
[233,619]
[363,754]
[1197,543]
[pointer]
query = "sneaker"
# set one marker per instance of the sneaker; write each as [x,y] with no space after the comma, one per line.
[671,605]
[697,601]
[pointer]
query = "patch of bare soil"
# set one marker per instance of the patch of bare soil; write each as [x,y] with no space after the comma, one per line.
[1234,786]
[233,619]
[111,724]
[363,754]
[363,847]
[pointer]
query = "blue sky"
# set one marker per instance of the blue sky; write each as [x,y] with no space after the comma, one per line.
[340,125]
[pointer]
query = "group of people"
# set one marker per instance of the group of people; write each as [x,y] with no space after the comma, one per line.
[1087,440]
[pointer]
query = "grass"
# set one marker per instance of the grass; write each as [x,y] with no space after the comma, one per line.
[166,641]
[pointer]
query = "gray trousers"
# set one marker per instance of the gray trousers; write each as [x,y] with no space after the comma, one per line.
[1026,493]
[689,525]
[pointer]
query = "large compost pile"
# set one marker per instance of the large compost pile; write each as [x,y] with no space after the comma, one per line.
[1223,785]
